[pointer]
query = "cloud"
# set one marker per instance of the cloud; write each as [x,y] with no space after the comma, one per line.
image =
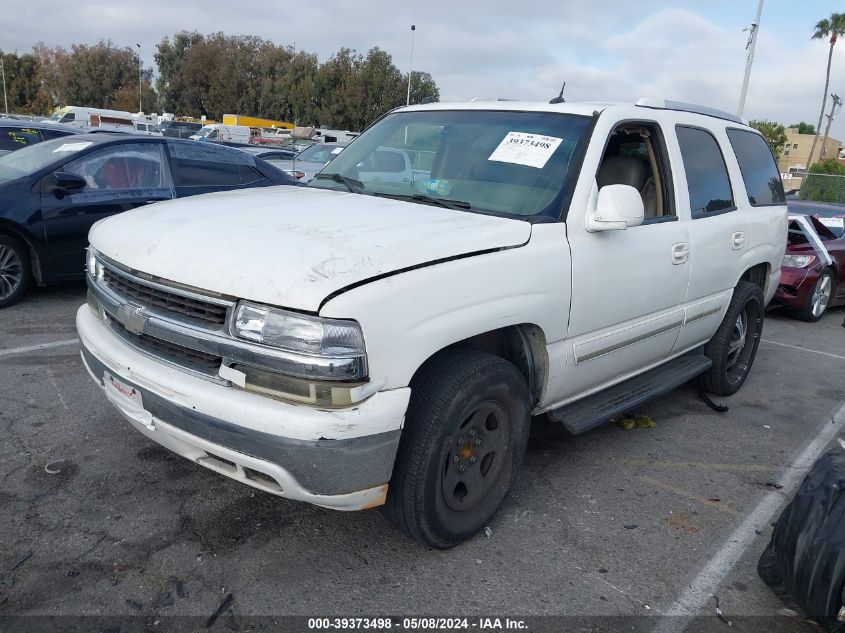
[608,50]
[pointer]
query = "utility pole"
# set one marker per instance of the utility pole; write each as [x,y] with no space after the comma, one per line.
[837,102]
[3,73]
[140,109]
[749,46]
[411,65]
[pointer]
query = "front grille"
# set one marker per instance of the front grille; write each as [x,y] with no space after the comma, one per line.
[176,354]
[163,299]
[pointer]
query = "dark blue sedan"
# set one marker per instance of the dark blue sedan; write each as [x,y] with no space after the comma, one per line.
[53,192]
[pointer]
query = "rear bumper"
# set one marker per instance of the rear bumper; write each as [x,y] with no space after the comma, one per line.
[278,447]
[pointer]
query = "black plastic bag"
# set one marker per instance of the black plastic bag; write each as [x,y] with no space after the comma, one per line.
[806,556]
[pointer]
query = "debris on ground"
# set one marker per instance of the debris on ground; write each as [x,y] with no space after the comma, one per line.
[488,532]
[26,556]
[630,526]
[53,462]
[719,613]
[227,602]
[134,604]
[716,407]
[772,484]
[629,421]
[165,599]
[788,613]
[71,573]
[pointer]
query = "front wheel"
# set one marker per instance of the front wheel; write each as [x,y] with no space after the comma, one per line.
[464,439]
[14,270]
[816,304]
[734,345]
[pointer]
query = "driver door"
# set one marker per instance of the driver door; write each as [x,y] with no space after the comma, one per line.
[119,178]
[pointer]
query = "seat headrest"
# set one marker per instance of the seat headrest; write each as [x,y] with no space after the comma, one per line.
[622,170]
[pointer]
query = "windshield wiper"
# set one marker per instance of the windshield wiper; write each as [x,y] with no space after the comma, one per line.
[449,204]
[355,186]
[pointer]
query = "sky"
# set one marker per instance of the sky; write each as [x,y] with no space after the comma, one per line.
[605,50]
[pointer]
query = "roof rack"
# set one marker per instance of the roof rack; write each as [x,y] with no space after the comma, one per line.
[665,104]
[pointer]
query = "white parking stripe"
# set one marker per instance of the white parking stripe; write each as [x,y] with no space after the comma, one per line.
[32,348]
[803,349]
[737,543]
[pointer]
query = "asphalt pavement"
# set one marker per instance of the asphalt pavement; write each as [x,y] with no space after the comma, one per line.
[96,520]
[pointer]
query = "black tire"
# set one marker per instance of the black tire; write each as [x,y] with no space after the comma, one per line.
[469,413]
[825,282]
[14,270]
[731,365]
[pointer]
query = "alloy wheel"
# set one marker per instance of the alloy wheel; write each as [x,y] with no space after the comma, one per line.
[11,271]
[821,296]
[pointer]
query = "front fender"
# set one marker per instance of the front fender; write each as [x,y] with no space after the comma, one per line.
[409,317]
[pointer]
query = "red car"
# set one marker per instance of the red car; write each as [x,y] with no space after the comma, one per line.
[813,271]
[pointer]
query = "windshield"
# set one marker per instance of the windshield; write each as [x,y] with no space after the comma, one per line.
[506,163]
[206,130]
[319,153]
[33,158]
[830,215]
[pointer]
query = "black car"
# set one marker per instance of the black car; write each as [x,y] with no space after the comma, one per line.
[51,193]
[179,129]
[16,134]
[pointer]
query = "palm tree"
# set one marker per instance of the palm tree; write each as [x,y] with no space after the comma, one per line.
[831,28]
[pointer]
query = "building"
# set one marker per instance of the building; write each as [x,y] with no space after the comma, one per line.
[796,151]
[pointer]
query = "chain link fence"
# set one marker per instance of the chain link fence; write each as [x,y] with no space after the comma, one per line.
[822,188]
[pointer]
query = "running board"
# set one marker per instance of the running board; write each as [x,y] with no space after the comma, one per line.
[594,410]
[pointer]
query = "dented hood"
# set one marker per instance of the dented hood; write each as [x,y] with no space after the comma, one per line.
[293,246]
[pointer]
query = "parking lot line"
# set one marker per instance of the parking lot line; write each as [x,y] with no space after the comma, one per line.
[803,349]
[33,348]
[707,581]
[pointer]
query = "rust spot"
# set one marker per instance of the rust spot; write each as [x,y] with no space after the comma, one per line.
[682,521]
[379,500]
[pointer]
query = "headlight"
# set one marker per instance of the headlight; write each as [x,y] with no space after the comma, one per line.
[94,267]
[297,332]
[798,261]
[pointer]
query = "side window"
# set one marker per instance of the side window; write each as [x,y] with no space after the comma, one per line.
[206,165]
[758,167]
[636,156]
[123,167]
[12,138]
[49,134]
[67,118]
[707,177]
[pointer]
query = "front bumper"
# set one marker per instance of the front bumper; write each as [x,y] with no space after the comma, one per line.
[341,459]
[795,286]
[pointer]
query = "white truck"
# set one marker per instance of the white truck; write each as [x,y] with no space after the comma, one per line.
[228,133]
[361,342]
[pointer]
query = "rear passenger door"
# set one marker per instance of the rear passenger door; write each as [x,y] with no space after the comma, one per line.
[718,231]
[205,168]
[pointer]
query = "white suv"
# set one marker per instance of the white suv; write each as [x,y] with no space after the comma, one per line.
[366,341]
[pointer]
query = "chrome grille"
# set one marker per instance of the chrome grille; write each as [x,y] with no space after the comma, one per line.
[176,354]
[159,298]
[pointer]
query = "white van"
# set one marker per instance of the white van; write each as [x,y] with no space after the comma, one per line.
[80,116]
[219,132]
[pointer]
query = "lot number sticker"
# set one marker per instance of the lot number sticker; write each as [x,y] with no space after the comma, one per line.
[522,148]
[72,147]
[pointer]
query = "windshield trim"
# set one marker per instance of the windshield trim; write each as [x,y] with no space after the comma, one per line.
[558,209]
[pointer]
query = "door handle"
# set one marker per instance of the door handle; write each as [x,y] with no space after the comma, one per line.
[680,253]
[738,240]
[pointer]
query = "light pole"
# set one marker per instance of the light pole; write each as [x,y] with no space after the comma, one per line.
[410,66]
[752,42]
[140,109]
[3,73]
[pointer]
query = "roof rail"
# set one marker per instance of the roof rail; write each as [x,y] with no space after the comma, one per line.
[665,104]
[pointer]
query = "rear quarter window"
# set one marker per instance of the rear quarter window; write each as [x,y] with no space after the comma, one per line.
[759,169]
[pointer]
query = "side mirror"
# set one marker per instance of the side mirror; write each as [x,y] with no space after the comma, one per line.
[64,182]
[618,207]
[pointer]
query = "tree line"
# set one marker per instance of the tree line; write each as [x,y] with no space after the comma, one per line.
[214,74]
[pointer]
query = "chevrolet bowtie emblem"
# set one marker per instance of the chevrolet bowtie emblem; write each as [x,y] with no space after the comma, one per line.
[132,318]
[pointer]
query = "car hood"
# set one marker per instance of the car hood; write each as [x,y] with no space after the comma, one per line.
[293,246]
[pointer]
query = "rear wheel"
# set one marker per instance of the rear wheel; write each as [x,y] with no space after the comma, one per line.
[819,298]
[464,439]
[14,270]
[734,345]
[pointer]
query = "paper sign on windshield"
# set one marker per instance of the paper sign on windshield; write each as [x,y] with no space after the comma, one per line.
[72,147]
[522,148]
